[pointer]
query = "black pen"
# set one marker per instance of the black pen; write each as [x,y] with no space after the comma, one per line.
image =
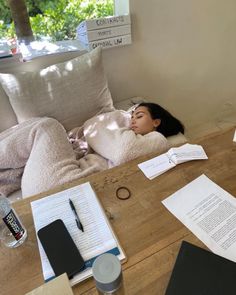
[79,224]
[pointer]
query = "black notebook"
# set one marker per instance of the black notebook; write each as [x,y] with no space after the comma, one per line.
[200,272]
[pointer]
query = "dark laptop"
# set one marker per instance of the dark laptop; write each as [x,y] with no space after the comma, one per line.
[200,272]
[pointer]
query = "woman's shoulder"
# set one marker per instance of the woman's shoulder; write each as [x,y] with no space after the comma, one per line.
[155,134]
[117,118]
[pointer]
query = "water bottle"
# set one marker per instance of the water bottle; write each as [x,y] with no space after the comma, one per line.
[107,273]
[12,232]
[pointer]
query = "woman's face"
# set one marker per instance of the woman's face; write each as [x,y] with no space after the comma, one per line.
[142,122]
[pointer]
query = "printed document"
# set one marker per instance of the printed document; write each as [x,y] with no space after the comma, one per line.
[97,237]
[209,212]
[160,164]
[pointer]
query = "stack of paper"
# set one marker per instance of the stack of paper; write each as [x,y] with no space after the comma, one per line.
[98,236]
[160,164]
[106,32]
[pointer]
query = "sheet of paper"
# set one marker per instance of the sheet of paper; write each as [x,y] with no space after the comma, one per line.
[187,152]
[209,212]
[156,166]
[97,237]
[58,286]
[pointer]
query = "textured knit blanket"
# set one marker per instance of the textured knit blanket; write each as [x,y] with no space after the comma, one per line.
[39,148]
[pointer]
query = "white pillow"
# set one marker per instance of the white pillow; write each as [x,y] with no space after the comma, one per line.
[7,115]
[71,92]
[177,140]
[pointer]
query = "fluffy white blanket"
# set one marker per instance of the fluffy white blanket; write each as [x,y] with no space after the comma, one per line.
[40,146]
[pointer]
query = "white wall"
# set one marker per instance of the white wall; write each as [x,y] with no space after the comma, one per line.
[183,56]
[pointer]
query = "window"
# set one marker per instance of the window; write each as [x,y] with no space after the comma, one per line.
[53,20]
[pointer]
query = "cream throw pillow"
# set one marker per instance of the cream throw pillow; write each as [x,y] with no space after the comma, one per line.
[71,92]
[7,115]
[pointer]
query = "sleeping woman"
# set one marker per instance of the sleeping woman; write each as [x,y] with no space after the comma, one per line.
[36,155]
[120,137]
[148,117]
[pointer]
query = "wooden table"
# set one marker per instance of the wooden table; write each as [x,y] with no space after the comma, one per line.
[149,234]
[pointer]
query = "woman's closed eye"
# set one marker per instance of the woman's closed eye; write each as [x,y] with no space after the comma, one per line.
[136,117]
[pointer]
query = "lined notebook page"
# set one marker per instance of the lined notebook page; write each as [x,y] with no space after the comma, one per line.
[156,166]
[97,237]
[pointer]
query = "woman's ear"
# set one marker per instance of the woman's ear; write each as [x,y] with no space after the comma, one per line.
[156,122]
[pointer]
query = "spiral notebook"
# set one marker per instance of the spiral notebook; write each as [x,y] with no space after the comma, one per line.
[160,164]
[98,236]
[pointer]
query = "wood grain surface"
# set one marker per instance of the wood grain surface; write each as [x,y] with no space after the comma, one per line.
[149,234]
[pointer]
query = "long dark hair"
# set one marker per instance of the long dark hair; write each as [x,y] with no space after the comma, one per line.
[169,124]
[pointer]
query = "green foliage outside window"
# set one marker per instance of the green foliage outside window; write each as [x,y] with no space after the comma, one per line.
[55,19]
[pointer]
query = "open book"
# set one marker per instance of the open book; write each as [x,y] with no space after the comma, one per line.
[160,164]
[98,236]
